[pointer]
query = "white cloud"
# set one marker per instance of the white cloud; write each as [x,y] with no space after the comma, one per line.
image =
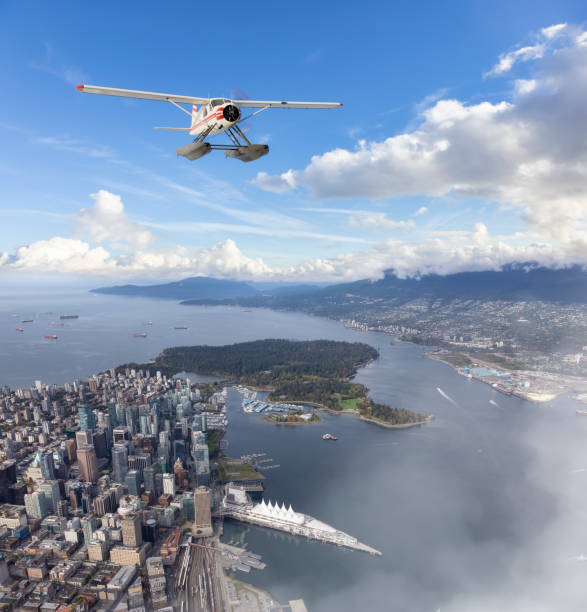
[553,30]
[276,184]
[421,211]
[529,152]
[378,222]
[507,60]
[59,255]
[106,220]
[545,41]
[71,256]
[440,252]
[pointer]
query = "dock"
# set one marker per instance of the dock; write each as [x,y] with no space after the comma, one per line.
[237,505]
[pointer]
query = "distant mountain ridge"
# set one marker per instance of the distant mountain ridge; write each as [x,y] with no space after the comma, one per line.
[196,287]
[512,283]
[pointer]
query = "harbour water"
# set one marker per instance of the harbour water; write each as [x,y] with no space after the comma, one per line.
[483,509]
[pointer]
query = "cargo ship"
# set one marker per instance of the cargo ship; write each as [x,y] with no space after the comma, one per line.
[50,337]
[328,436]
[19,329]
[140,335]
[69,316]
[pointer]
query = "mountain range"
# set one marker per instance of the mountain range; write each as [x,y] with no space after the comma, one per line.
[512,283]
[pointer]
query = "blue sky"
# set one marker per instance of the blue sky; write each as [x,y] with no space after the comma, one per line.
[413,173]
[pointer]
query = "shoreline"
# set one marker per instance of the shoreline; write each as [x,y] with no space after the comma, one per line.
[355,413]
[269,421]
[401,425]
[535,397]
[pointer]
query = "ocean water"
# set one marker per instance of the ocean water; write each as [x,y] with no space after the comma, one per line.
[483,509]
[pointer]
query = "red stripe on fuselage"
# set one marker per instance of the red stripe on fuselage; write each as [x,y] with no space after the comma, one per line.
[218,115]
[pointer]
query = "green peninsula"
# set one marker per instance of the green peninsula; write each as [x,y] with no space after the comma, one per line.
[315,372]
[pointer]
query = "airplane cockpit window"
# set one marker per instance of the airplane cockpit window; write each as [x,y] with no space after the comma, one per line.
[216,102]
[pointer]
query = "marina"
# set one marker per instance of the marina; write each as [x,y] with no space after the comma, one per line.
[252,404]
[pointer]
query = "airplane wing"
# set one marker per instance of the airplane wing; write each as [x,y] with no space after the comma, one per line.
[278,104]
[143,95]
[165,97]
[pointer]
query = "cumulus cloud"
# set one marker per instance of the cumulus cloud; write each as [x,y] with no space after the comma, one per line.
[421,211]
[58,255]
[106,221]
[72,256]
[276,184]
[439,253]
[529,151]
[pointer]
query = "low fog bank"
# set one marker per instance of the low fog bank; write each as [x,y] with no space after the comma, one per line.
[504,530]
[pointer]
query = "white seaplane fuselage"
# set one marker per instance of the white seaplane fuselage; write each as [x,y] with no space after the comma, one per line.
[215,117]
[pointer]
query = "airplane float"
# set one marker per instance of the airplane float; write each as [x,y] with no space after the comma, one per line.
[215,116]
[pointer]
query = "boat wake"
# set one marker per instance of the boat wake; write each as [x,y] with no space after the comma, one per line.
[447,397]
[493,403]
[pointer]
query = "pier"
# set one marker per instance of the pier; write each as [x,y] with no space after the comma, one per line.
[236,504]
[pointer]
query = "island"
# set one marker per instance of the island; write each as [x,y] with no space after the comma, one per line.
[314,372]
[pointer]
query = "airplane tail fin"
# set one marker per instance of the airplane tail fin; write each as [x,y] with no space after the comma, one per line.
[194,113]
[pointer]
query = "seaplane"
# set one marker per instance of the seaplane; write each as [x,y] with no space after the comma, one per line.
[210,117]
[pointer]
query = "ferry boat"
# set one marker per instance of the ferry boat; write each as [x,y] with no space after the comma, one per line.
[328,436]
[50,337]
[19,329]
[140,335]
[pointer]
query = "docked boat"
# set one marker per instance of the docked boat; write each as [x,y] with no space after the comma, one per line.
[50,337]
[140,335]
[329,436]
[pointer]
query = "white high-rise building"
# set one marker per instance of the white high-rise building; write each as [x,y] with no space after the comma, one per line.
[35,505]
[169,484]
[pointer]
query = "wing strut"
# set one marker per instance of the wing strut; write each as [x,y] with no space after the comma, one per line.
[181,108]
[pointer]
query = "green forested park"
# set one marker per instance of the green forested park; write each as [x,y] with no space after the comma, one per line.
[314,371]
